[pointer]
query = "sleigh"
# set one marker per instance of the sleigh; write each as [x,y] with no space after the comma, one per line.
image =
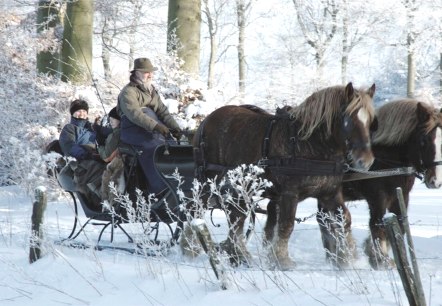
[157,214]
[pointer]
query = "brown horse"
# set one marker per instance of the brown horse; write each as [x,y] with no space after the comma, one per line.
[303,156]
[409,135]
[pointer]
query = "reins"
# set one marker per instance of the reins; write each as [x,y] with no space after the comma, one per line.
[358,174]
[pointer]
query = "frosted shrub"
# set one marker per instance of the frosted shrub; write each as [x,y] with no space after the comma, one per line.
[20,164]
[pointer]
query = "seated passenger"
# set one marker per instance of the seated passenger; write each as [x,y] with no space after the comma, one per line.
[77,139]
[107,146]
[145,121]
[108,139]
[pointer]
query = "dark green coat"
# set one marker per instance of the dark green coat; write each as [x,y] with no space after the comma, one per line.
[108,151]
[133,97]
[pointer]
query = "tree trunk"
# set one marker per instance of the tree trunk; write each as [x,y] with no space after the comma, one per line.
[345,48]
[316,27]
[213,26]
[47,19]
[411,8]
[76,65]
[440,77]
[213,51]
[184,22]
[411,73]
[137,9]
[241,15]
[106,38]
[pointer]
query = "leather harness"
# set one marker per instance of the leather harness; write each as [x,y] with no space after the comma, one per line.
[290,166]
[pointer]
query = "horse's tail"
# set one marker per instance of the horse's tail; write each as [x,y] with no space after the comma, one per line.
[198,152]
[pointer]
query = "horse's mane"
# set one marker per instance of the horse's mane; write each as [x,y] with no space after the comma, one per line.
[398,119]
[324,105]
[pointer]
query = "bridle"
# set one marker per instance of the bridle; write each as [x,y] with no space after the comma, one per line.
[347,129]
[424,166]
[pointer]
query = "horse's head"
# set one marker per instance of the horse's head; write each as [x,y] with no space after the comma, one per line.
[429,139]
[358,120]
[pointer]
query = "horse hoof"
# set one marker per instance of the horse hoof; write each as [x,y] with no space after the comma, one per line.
[385,263]
[237,256]
[286,264]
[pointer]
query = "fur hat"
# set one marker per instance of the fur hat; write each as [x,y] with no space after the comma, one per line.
[114,114]
[77,105]
[144,65]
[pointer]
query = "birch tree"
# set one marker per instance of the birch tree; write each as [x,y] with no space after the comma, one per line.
[212,12]
[243,8]
[411,8]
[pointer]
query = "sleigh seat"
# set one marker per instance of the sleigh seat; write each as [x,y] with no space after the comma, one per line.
[166,210]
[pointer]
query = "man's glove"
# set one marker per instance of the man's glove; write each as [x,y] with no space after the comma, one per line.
[162,129]
[99,136]
[95,156]
[177,133]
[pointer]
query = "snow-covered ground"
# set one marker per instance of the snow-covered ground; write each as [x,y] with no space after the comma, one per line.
[72,276]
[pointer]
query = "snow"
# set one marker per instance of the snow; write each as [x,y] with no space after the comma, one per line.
[74,276]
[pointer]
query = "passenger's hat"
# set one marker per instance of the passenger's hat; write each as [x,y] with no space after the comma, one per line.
[114,114]
[144,65]
[77,105]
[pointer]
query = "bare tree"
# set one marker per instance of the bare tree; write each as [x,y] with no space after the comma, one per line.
[212,13]
[243,8]
[107,36]
[127,28]
[318,23]
[411,8]
[353,35]
[136,13]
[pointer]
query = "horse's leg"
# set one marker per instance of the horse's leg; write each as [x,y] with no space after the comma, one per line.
[235,244]
[334,221]
[286,219]
[269,228]
[377,247]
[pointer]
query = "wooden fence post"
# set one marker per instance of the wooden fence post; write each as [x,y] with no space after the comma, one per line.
[400,258]
[38,209]
[205,238]
[410,277]
[406,226]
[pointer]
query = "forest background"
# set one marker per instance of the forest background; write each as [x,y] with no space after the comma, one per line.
[267,53]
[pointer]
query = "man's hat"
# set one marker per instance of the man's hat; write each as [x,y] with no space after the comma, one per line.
[144,65]
[77,105]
